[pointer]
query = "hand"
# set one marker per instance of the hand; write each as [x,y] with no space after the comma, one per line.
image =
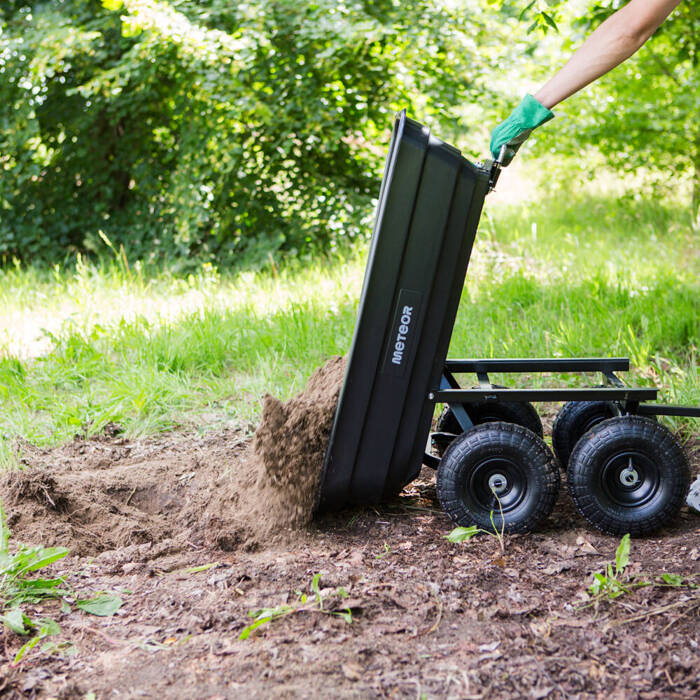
[513,132]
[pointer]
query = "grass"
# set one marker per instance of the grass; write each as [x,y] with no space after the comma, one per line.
[573,275]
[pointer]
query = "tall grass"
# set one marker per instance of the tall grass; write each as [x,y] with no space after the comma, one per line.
[152,349]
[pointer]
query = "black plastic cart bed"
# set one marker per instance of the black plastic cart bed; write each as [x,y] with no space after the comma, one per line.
[626,472]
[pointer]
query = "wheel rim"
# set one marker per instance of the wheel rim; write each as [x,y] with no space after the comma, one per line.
[630,478]
[494,479]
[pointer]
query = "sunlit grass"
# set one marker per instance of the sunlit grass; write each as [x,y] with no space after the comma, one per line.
[153,349]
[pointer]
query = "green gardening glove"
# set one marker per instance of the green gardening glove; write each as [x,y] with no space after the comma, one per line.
[513,132]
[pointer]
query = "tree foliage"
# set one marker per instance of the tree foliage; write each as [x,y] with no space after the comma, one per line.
[230,130]
[644,113]
[219,128]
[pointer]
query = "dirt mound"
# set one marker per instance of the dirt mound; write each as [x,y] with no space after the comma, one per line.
[218,489]
[97,495]
[276,488]
[292,439]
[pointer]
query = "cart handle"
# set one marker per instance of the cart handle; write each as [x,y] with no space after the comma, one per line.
[494,167]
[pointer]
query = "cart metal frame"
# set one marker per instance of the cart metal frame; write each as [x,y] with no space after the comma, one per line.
[628,400]
[427,215]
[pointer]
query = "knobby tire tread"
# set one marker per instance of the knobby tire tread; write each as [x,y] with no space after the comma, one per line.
[543,475]
[517,412]
[566,431]
[668,455]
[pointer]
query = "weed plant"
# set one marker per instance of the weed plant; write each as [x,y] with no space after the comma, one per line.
[464,534]
[612,583]
[304,603]
[153,349]
[19,589]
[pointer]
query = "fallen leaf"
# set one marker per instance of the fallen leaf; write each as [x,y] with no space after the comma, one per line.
[104,605]
[585,548]
[352,671]
[557,568]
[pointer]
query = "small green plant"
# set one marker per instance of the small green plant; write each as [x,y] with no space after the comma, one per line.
[381,555]
[464,534]
[609,583]
[613,583]
[18,588]
[675,580]
[304,603]
[15,586]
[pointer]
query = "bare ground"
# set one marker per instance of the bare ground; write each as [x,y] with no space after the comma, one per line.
[429,618]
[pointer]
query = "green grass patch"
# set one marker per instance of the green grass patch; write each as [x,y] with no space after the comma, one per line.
[153,350]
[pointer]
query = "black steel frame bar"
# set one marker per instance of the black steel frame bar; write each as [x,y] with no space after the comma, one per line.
[658,409]
[603,394]
[584,364]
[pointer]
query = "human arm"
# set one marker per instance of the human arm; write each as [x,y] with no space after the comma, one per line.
[614,41]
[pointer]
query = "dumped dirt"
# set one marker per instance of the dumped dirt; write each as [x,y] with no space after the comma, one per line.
[99,495]
[291,444]
[428,618]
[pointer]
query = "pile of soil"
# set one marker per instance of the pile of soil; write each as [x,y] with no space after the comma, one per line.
[291,445]
[274,489]
[220,489]
[421,617]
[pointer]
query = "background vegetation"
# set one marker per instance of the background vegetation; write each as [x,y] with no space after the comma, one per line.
[186,190]
[226,131]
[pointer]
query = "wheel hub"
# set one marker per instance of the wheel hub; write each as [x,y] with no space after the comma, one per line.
[629,475]
[630,478]
[498,483]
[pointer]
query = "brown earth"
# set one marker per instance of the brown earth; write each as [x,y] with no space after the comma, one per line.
[429,618]
[106,494]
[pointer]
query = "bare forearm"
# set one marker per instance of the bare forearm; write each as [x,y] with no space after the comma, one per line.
[621,35]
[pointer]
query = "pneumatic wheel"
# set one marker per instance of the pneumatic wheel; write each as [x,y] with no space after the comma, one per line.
[518,412]
[574,420]
[498,462]
[628,475]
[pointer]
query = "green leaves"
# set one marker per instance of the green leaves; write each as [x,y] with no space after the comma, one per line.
[622,555]
[303,603]
[44,628]
[462,534]
[264,616]
[40,557]
[608,584]
[103,605]
[612,583]
[17,589]
[215,129]
[639,115]
[540,14]
[16,621]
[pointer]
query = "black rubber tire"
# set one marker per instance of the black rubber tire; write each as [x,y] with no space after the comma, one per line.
[485,451]
[574,420]
[517,412]
[596,472]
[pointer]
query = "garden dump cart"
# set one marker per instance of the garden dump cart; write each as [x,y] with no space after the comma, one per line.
[625,471]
